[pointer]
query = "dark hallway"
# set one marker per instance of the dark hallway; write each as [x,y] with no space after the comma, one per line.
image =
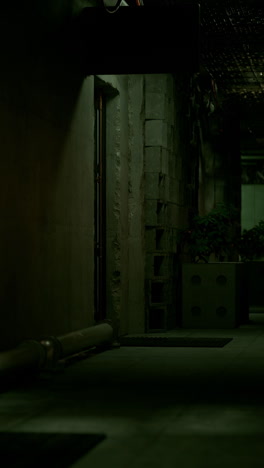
[190,407]
[187,407]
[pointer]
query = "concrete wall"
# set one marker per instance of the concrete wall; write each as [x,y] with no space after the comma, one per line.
[47,199]
[117,252]
[47,151]
[169,193]
[46,209]
[124,201]
[136,209]
[147,164]
[47,202]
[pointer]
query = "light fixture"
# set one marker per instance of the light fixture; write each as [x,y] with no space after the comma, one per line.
[112,5]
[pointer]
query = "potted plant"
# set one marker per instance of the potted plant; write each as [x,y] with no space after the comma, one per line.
[213,279]
[211,236]
[251,243]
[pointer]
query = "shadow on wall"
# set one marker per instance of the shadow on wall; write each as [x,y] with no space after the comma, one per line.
[39,184]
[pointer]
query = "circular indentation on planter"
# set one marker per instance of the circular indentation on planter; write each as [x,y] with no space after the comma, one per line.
[221,311]
[196,280]
[196,311]
[221,280]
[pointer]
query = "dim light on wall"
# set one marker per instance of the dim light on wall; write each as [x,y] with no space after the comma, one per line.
[113,5]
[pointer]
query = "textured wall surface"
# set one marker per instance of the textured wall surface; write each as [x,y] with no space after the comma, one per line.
[167,200]
[46,235]
[47,152]
[124,201]
[136,107]
[117,200]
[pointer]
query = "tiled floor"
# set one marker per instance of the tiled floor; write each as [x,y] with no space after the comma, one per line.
[159,407]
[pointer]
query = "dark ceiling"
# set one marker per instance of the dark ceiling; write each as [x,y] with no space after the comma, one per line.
[232,43]
[232,51]
[233,46]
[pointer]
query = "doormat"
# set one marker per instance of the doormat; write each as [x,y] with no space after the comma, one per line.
[181,342]
[39,450]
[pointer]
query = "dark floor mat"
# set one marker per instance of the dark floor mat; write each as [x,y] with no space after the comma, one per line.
[39,450]
[186,341]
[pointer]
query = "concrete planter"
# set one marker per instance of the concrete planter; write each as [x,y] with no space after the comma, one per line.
[255,274]
[214,295]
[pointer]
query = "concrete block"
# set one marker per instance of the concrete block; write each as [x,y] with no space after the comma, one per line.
[165,135]
[182,196]
[174,191]
[178,167]
[170,83]
[175,164]
[149,266]
[151,218]
[155,106]
[161,239]
[255,274]
[170,136]
[152,185]
[156,133]
[163,265]
[184,216]
[170,110]
[164,161]
[162,213]
[165,240]
[150,239]
[156,83]
[159,266]
[160,292]
[153,159]
[210,295]
[174,240]
[174,215]
[164,187]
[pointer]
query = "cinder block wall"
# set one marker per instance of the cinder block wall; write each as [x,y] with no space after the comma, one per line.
[148,199]
[125,295]
[169,193]
[47,199]
[136,212]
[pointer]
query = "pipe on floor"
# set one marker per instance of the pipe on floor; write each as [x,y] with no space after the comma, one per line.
[28,356]
[33,355]
[81,339]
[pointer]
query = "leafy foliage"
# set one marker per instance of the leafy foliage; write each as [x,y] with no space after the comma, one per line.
[251,243]
[212,233]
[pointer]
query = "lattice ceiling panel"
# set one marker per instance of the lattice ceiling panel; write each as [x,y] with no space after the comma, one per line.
[233,46]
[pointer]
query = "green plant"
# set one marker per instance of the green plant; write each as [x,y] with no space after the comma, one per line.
[213,233]
[251,243]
